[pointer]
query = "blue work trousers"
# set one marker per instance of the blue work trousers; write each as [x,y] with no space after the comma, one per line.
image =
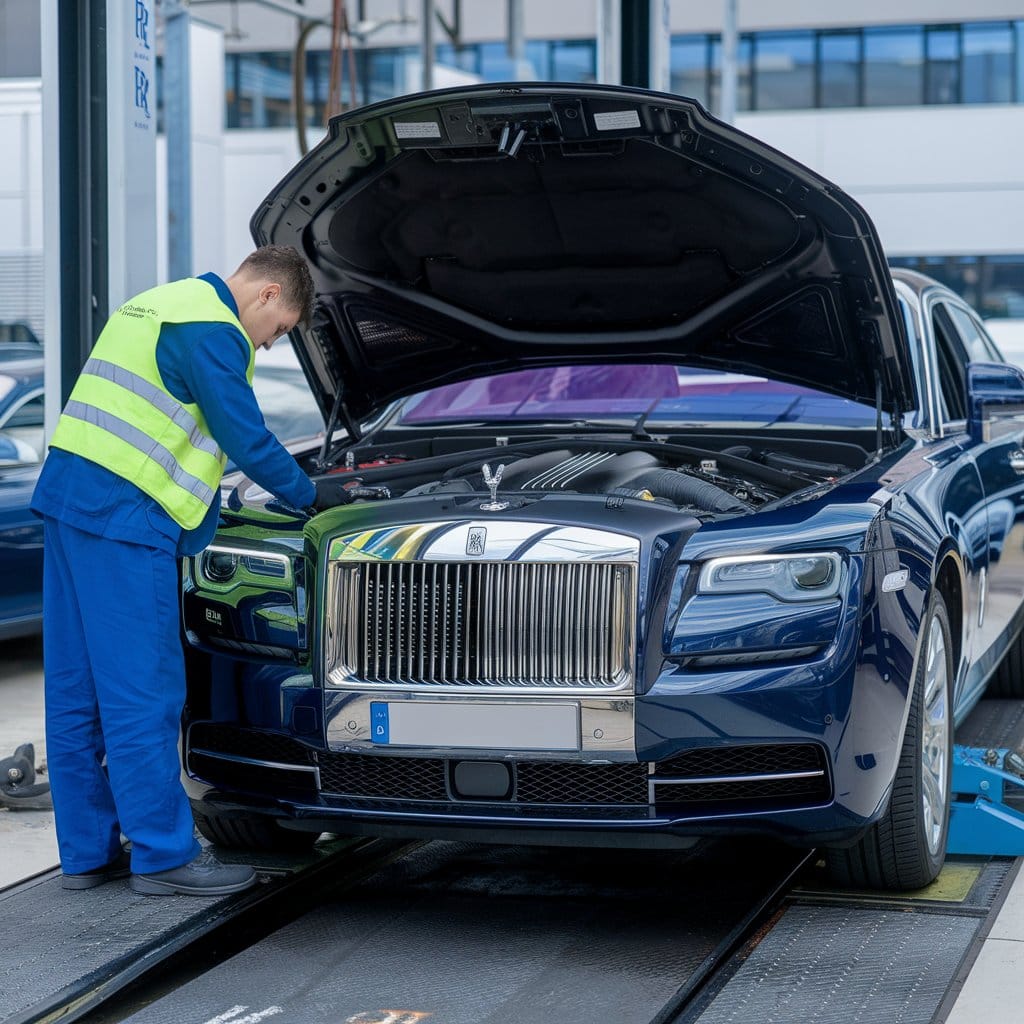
[115,686]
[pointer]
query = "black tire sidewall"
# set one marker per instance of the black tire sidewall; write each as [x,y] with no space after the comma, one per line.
[912,755]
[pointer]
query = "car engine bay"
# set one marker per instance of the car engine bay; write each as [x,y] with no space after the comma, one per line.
[736,478]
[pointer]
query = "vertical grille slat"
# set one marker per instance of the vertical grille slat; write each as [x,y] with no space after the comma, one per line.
[553,625]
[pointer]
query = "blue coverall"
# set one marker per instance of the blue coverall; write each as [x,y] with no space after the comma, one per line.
[115,678]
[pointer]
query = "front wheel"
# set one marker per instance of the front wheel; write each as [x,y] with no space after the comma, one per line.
[906,848]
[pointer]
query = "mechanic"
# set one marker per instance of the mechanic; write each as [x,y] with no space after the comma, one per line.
[131,483]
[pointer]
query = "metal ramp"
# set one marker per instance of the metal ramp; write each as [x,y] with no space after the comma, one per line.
[68,951]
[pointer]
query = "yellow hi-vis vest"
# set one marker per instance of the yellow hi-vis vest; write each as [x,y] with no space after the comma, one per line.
[121,416]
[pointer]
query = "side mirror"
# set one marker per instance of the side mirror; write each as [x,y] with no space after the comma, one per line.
[995,400]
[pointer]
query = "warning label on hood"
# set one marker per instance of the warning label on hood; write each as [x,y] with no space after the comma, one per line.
[611,120]
[417,129]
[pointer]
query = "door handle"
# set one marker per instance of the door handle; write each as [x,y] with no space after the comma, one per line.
[1016,459]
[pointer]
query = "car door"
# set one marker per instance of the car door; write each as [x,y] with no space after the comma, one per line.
[1000,463]
[21,533]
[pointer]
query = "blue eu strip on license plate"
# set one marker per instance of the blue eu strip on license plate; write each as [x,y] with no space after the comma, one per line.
[379,726]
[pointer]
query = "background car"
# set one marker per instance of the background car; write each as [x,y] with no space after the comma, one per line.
[569,592]
[19,341]
[21,533]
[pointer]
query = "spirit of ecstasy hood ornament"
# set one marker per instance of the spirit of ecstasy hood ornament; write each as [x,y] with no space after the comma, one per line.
[492,482]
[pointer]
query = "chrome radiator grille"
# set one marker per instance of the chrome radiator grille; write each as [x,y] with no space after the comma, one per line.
[532,625]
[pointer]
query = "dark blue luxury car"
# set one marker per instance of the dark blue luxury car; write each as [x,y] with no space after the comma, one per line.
[21,533]
[666,510]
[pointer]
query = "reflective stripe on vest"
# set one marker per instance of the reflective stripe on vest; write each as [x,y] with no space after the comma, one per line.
[138,439]
[121,416]
[163,400]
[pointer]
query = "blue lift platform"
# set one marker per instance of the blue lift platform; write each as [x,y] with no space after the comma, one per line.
[987,811]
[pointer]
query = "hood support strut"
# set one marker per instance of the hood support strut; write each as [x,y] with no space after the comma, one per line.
[338,412]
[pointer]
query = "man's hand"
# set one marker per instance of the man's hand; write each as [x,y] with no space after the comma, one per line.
[330,492]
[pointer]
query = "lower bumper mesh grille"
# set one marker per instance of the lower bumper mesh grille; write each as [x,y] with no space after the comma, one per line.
[700,776]
[765,773]
[537,782]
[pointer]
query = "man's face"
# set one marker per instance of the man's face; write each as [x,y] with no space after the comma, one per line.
[269,317]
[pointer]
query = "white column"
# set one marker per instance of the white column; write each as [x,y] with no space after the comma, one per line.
[131,147]
[49,35]
[660,78]
[609,42]
[206,86]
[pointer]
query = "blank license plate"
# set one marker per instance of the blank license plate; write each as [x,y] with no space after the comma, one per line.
[476,726]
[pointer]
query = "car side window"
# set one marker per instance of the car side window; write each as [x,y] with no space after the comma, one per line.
[28,414]
[980,347]
[24,428]
[952,361]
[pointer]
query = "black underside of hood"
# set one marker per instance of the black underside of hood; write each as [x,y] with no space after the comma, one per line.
[628,226]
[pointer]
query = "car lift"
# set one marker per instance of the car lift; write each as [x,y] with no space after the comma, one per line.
[987,811]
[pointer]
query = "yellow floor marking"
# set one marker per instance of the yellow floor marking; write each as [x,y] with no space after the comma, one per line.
[952,886]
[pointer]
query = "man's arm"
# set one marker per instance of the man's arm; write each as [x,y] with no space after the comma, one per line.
[214,371]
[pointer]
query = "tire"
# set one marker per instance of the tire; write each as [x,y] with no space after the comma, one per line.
[252,832]
[1008,678]
[906,848]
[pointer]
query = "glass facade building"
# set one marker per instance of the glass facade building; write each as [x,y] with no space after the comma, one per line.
[877,66]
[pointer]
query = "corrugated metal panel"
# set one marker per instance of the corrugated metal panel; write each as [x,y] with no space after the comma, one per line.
[21,288]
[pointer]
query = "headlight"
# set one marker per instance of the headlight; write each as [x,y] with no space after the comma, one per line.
[218,566]
[804,577]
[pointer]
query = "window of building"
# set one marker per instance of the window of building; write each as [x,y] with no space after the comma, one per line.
[942,70]
[988,63]
[573,60]
[744,92]
[904,65]
[783,70]
[839,69]
[993,285]
[20,49]
[893,66]
[688,57]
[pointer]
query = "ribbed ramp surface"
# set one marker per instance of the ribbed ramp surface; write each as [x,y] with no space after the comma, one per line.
[994,723]
[458,934]
[848,957]
[838,965]
[65,951]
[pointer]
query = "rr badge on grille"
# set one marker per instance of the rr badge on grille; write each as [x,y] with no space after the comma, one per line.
[492,481]
[476,541]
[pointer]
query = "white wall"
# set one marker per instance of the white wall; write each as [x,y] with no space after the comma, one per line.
[935,180]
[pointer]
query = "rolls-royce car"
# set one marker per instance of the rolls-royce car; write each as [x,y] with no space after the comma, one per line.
[664,509]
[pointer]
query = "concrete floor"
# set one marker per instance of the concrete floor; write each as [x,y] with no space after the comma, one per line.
[28,843]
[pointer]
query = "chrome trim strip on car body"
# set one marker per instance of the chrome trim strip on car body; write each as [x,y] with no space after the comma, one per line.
[606,727]
[706,780]
[312,769]
[543,609]
[927,371]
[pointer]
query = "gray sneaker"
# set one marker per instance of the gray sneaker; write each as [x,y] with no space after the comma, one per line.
[200,877]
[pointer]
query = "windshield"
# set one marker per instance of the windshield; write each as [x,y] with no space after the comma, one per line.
[663,395]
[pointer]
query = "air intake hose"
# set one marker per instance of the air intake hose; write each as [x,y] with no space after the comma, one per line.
[687,490]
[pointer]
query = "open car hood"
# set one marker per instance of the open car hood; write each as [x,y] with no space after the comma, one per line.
[470,231]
